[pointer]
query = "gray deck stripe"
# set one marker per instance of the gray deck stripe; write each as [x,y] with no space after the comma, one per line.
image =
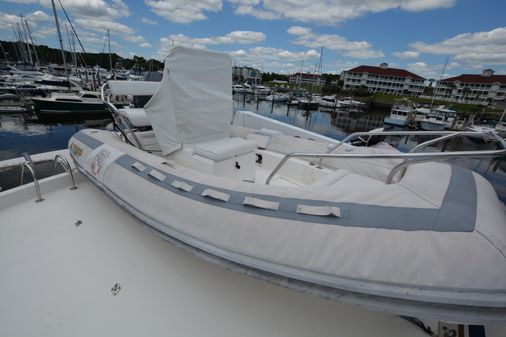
[460,202]
[444,219]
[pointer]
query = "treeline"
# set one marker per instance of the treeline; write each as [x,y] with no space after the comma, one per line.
[268,77]
[47,55]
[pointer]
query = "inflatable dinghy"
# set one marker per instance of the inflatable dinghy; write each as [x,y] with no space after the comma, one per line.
[429,243]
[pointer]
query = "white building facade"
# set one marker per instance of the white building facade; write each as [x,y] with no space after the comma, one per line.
[383,79]
[246,74]
[485,89]
[306,78]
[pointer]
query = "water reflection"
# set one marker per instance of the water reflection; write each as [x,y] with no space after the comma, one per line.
[329,122]
[26,133]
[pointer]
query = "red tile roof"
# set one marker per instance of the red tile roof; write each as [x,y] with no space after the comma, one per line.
[385,72]
[306,75]
[477,78]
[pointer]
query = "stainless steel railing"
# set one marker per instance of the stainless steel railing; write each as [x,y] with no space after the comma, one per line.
[119,121]
[30,166]
[409,158]
[66,166]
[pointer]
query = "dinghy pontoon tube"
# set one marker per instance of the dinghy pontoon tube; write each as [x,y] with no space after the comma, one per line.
[432,244]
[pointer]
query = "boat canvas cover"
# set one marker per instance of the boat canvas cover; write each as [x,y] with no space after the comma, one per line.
[176,116]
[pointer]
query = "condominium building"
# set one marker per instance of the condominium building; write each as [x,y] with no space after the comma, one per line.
[246,74]
[306,78]
[473,88]
[383,79]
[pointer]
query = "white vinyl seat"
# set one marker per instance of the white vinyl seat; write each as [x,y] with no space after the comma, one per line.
[225,148]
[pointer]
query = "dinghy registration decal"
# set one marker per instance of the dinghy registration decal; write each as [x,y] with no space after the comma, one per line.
[76,150]
[100,159]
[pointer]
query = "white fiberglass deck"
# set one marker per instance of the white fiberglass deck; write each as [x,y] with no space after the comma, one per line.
[57,279]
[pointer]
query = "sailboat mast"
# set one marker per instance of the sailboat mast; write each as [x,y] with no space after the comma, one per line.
[110,56]
[16,48]
[61,42]
[26,49]
[3,51]
[31,40]
[440,78]
[25,39]
[320,67]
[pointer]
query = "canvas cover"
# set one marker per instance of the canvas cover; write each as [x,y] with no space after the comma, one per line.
[194,101]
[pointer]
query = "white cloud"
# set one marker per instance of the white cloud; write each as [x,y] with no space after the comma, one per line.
[240,37]
[476,50]
[184,11]
[38,16]
[8,20]
[96,41]
[359,49]
[407,54]
[364,53]
[431,71]
[329,12]
[145,45]
[133,38]
[275,59]
[103,25]
[148,21]
[88,8]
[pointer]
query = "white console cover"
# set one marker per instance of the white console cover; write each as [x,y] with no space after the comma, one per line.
[194,101]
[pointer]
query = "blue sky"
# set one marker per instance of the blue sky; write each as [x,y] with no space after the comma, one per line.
[284,35]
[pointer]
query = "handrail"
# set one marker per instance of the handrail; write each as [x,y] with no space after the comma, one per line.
[445,135]
[35,181]
[398,133]
[430,156]
[436,140]
[114,113]
[66,166]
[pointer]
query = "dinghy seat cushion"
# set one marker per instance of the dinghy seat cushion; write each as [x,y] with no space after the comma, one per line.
[330,178]
[225,148]
[136,116]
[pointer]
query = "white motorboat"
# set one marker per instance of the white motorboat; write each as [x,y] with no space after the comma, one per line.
[348,102]
[500,129]
[449,115]
[433,122]
[277,98]
[262,91]
[401,114]
[237,89]
[421,113]
[255,200]
[328,101]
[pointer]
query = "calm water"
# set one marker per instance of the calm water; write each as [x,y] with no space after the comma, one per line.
[26,133]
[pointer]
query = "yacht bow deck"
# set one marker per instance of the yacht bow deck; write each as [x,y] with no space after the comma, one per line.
[61,259]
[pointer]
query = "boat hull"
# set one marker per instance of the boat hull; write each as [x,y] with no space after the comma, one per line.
[396,122]
[430,126]
[66,108]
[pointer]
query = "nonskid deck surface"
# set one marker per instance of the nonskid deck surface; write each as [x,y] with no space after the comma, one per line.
[61,259]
